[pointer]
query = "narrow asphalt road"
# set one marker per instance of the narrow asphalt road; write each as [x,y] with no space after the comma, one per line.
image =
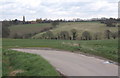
[72,64]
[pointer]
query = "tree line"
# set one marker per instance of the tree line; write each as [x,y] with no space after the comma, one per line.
[73,35]
[111,22]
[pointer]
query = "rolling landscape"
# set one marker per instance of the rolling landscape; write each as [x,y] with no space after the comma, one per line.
[59,47]
[46,35]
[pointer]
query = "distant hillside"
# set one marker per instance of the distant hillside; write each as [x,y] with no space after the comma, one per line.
[28,28]
[92,27]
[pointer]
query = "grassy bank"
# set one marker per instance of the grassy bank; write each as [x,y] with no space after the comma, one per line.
[104,48]
[24,64]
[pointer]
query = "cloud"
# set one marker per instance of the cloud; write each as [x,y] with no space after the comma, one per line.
[55,9]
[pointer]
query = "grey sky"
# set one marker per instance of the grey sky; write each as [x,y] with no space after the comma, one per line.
[54,9]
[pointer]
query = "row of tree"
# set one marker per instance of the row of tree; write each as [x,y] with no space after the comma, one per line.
[73,35]
[102,20]
[63,35]
[110,22]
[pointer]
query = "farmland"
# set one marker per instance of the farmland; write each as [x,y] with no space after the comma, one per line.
[28,28]
[104,48]
[91,27]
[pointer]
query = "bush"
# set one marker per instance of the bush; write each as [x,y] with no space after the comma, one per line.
[107,34]
[86,35]
[74,34]
[64,35]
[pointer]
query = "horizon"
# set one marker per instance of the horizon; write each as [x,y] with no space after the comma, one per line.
[59,19]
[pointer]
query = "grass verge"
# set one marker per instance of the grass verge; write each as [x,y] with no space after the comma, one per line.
[24,64]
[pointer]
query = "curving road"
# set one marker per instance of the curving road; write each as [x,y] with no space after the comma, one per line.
[72,64]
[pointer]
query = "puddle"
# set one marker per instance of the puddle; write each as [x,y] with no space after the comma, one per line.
[107,62]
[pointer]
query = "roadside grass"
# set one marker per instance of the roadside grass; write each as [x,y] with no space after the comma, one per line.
[104,48]
[25,64]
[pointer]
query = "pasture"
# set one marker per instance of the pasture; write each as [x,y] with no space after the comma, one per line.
[104,48]
[92,27]
[28,28]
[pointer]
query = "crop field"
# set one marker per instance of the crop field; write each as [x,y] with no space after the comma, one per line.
[25,64]
[92,27]
[104,48]
[28,28]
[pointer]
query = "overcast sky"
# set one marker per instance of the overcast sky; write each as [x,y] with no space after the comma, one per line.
[54,9]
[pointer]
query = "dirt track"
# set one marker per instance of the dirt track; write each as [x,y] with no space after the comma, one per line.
[72,64]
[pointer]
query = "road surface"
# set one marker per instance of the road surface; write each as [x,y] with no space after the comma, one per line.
[72,64]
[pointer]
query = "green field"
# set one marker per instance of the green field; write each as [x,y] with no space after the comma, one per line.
[104,48]
[25,64]
[92,27]
[28,28]
[18,61]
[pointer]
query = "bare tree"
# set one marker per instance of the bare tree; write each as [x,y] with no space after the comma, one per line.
[74,34]
[86,35]
[107,34]
[64,35]
[110,22]
[114,35]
